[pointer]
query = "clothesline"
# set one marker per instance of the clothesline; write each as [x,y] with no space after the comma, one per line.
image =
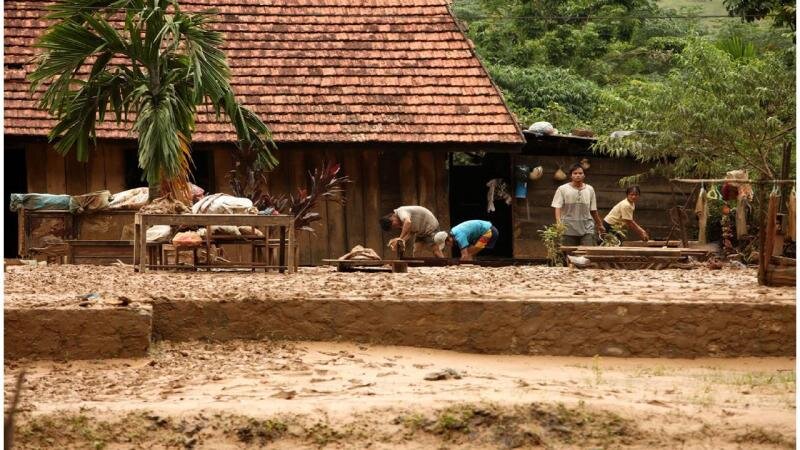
[726,180]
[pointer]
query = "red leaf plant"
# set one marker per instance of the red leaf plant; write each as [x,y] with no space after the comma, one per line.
[325,183]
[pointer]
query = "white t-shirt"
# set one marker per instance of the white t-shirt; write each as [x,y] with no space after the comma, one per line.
[423,222]
[576,206]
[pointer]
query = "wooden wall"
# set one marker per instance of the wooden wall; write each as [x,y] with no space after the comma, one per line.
[534,212]
[49,172]
[383,179]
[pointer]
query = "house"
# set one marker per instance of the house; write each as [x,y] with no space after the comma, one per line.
[391,89]
[533,212]
[388,88]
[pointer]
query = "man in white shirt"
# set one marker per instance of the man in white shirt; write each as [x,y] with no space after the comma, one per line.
[413,222]
[576,207]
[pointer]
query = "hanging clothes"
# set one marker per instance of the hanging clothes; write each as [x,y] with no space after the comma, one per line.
[498,190]
[701,209]
[742,205]
[791,209]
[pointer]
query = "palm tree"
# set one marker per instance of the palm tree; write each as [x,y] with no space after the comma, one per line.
[151,59]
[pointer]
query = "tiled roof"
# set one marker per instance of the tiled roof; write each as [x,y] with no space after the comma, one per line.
[317,70]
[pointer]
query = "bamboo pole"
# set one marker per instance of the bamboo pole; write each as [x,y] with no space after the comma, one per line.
[728,180]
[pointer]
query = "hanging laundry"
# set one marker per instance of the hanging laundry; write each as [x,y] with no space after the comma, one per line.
[701,209]
[498,190]
[742,205]
[791,209]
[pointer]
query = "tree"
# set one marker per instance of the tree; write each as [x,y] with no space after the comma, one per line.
[148,58]
[714,113]
[783,11]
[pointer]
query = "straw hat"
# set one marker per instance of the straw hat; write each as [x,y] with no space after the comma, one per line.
[536,173]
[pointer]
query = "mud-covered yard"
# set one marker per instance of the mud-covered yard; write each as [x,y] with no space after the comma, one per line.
[63,285]
[338,395]
[250,394]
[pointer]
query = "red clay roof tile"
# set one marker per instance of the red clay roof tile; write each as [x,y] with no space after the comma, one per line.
[316,70]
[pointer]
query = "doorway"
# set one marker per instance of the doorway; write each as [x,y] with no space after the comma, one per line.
[469,173]
[15,181]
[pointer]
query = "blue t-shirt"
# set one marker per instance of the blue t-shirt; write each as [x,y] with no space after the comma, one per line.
[468,233]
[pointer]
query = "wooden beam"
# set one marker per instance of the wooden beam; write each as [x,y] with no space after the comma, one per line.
[96,171]
[223,164]
[442,186]
[56,171]
[114,163]
[354,192]
[769,229]
[406,177]
[337,222]
[426,180]
[371,190]
[299,179]
[76,176]
[36,166]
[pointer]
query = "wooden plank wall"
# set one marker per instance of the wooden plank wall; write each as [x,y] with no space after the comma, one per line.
[377,189]
[49,172]
[383,179]
[534,212]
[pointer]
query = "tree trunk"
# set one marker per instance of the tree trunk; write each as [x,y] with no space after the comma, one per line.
[154,191]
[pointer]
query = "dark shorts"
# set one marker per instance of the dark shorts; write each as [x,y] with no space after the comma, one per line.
[587,240]
[424,238]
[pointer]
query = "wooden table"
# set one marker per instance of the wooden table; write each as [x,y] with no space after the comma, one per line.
[285,224]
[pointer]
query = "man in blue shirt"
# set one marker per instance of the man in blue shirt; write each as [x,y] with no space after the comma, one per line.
[471,237]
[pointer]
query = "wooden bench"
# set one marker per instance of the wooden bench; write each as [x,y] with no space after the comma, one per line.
[349,265]
[103,252]
[283,224]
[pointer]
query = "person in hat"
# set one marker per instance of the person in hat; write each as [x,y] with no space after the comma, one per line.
[621,215]
[414,222]
[471,237]
[575,205]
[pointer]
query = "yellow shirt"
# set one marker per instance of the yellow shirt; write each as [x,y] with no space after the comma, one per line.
[621,212]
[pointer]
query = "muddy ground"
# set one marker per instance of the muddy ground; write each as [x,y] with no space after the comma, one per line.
[246,394]
[63,285]
[337,395]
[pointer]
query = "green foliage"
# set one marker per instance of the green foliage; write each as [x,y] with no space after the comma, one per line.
[165,63]
[782,11]
[552,236]
[706,94]
[713,113]
[736,48]
[537,87]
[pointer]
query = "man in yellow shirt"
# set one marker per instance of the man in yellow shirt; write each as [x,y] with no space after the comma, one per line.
[622,215]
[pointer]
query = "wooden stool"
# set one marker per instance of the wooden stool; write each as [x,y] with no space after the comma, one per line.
[178,249]
[259,248]
[154,253]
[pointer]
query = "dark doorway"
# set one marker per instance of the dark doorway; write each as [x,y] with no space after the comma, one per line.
[15,182]
[134,176]
[202,171]
[469,173]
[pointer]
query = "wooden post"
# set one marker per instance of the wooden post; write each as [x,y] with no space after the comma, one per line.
[786,162]
[767,235]
[282,250]
[292,245]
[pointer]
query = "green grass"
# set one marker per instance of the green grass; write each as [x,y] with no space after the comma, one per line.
[703,8]
[706,7]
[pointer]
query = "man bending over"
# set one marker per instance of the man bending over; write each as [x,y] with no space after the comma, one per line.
[413,222]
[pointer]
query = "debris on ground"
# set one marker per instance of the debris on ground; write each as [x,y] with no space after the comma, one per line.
[446,374]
